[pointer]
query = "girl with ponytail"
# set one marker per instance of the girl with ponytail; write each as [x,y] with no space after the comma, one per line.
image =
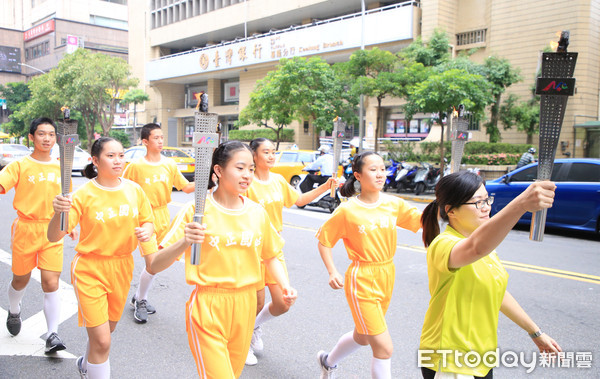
[367,225]
[467,282]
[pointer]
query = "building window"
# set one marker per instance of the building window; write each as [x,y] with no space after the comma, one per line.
[468,38]
[36,51]
[124,2]
[305,127]
[188,134]
[473,123]
[172,11]
[108,22]
[231,92]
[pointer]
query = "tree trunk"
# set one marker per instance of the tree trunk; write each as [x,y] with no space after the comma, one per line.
[134,123]
[441,145]
[493,130]
[377,124]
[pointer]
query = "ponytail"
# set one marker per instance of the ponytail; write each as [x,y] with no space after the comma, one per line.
[429,220]
[348,189]
[89,171]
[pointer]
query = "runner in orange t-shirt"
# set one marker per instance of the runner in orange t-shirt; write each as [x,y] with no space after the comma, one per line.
[101,271]
[157,175]
[230,265]
[273,193]
[367,225]
[36,180]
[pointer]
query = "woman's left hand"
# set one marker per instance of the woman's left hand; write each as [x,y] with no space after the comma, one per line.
[289,295]
[546,344]
[142,234]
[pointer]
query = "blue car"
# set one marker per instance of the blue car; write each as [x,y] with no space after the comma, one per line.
[577,200]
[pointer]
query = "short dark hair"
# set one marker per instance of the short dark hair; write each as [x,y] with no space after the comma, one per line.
[39,121]
[147,129]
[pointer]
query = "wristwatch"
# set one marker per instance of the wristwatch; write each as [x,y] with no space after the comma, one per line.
[536,334]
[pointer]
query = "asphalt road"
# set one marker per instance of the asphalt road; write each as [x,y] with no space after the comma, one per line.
[556,281]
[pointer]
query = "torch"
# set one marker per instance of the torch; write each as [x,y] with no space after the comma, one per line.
[205,139]
[555,85]
[338,137]
[460,136]
[67,139]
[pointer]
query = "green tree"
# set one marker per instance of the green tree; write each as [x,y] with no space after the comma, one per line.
[135,96]
[299,89]
[501,75]
[16,95]
[524,114]
[435,52]
[442,91]
[91,83]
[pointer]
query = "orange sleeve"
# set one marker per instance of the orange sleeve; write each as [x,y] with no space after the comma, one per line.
[333,229]
[408,217]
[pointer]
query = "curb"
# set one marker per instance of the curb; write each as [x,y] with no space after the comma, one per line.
[419,199]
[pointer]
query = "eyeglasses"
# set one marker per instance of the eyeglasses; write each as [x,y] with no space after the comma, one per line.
[480,203]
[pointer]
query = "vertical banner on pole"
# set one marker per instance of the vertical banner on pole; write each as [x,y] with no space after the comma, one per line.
[205,140]
[339,128]
[555,85]
[460,136]
[67,138]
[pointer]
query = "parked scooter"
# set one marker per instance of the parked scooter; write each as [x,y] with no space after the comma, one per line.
[390,175]
[427,177]
[347,165]
[324,200]
[405,178]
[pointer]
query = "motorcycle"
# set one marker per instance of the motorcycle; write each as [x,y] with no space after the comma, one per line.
[427,177]
[324,200]
[347,165]
[405,178]
[390,175]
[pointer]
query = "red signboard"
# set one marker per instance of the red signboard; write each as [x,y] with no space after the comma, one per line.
[39,30]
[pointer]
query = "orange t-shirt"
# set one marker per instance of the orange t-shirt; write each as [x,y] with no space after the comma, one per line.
[235,242]
[369,230]
[156,179]
[108,218]
[36,184]
[273,195]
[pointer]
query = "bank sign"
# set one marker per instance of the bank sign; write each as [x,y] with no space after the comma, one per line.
[390,25]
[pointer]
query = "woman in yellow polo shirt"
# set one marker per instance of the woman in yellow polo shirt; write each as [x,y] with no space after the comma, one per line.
[467,282]
[272,192]
[367,225]
[115,217]
[236,237]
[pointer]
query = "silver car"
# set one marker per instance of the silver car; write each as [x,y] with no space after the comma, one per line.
[11,152]
[81,158]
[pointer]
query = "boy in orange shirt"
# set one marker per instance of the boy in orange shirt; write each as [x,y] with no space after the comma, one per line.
[157,175]
[36,179]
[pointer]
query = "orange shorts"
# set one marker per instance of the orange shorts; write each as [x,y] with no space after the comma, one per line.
[31,248]
[267,278]
[368,287]
[219,324]
[101,285]
[162,219]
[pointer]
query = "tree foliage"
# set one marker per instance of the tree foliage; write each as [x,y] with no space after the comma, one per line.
[135,96]
[16,95]
[501,75]
[299,89]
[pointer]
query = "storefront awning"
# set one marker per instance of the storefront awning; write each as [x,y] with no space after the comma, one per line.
[589,125]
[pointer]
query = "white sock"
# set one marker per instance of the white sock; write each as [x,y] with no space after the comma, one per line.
[381,368]
[263,316]
[52,311]
[146,280]
[14,299]
[345,346]
[99,371]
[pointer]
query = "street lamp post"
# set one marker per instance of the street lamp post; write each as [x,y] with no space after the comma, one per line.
[34,68]
[361,121]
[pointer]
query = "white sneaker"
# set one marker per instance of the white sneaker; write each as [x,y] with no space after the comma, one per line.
[326,371]
[257,343]
[251,358]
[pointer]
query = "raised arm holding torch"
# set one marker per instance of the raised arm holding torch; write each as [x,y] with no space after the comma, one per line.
[205,140]
[338,137]
[67,139]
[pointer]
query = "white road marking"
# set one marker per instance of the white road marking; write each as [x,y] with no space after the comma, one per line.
[29,341]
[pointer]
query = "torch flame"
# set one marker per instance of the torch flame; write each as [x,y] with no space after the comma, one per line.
[553,45]
[454,112]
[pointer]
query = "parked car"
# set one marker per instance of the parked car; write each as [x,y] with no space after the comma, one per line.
[11,152]
[577,199]
[289,163]
[185,163]
[81,158]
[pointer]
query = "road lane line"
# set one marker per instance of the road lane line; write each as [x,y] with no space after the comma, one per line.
[558,273]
